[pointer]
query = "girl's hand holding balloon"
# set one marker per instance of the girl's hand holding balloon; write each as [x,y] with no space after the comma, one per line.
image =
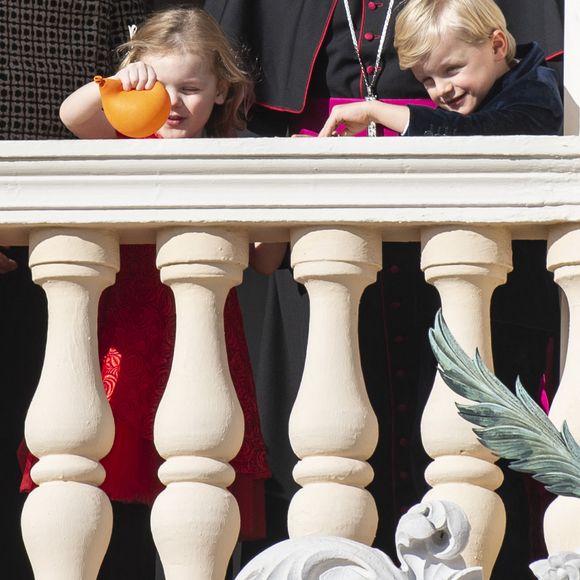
[137,76]
[134,102]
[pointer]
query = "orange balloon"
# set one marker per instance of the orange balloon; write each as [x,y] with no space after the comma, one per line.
[136,114]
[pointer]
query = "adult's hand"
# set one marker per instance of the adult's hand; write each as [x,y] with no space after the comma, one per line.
[7,264]
[265,258]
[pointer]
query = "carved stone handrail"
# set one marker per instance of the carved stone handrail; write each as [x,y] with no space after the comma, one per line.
[271,185]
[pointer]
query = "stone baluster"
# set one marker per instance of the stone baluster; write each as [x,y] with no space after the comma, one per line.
[465,265]
[67,520]
[333,429]
[199,424]
[561,529]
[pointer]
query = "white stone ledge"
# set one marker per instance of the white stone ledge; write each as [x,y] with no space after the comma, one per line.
[269,185]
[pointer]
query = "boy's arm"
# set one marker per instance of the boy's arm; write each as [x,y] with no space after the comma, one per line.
[357,116]
[516,120]
[82,114]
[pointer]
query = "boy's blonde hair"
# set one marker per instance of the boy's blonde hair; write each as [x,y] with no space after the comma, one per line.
[192,30]
[422,24]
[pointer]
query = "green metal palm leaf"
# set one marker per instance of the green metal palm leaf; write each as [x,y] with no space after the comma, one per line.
[511,425]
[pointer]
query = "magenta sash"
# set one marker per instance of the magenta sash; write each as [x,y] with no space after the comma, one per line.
[317,110]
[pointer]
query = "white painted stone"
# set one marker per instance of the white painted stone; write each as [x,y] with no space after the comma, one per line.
[465,264]
[560,566]
[272,185]
[333,429]
[199,425]
[67,520]
[429,539]
[561,529]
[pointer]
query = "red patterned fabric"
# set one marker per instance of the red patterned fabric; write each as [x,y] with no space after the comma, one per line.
[136,337]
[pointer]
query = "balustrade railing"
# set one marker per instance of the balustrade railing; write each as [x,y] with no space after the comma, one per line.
[464,199]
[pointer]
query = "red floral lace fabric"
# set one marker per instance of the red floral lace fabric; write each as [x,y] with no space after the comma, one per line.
[136,337]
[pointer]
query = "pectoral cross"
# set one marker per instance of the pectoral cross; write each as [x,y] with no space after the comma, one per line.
[372,128]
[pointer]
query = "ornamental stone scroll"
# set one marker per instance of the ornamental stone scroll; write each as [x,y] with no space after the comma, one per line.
[429,539]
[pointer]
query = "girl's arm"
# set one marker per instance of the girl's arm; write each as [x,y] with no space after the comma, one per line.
[82,112]
[357,116]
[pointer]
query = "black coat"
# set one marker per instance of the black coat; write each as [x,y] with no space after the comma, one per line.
[285,40]
[283,36]
[302,48]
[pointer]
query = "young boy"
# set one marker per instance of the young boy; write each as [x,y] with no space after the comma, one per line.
[467,61]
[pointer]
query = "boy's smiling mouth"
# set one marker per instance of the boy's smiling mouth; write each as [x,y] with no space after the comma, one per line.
[454,103]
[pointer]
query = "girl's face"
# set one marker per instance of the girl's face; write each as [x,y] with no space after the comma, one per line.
[193,90]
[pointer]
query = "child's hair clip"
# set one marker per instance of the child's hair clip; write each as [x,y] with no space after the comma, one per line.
[132,30]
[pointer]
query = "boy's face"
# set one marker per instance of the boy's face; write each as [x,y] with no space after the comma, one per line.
[458,76]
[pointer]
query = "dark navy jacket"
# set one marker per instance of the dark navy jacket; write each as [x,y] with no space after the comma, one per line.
[524,101]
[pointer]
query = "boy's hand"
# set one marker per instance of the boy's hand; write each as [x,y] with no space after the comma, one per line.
[353,117]
[138,76]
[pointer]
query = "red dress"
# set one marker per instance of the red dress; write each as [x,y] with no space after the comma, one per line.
[136,337]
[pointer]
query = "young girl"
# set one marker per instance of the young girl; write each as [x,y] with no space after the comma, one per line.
[187,51]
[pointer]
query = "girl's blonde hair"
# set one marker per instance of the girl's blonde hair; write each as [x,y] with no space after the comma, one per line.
[422,24]
[192,30]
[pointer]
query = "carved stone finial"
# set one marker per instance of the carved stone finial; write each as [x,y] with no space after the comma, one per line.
[432,534]
[429,540]
[563,566]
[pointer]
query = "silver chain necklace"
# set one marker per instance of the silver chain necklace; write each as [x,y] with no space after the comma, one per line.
[369,85]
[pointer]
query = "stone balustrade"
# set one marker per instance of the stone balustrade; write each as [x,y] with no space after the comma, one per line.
[334,200]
